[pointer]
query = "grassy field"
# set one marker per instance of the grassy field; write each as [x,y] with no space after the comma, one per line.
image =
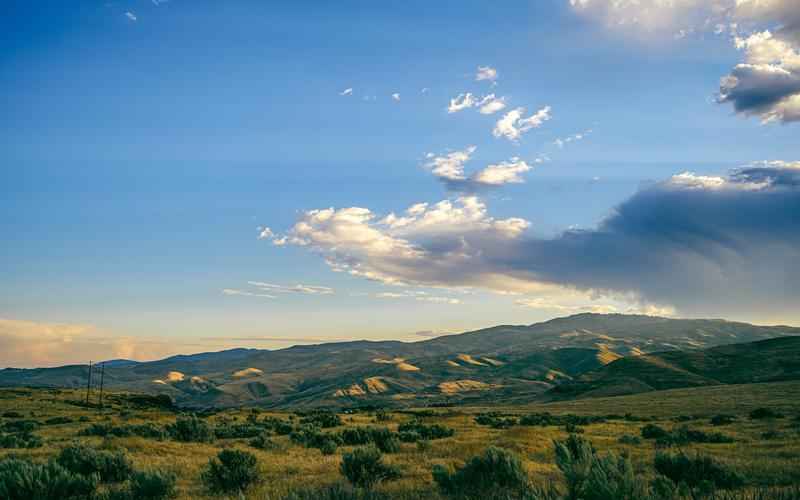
[765,451]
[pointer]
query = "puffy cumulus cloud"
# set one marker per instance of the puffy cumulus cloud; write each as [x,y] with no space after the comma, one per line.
[450,243]
[767,84]
[486,73]
[449,168]
[721,245]
[513,125]
[25,344]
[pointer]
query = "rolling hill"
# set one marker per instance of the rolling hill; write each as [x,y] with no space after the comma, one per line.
[502,363]
[773,360]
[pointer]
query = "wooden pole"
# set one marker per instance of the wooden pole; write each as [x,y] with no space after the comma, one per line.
[88,383]
[102,377]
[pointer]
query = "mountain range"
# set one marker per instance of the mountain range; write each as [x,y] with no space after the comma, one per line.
[584,355]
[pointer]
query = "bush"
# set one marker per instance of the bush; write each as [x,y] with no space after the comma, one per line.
[722,419]
[322,419]
[112,467]
[771,434]
[684,435]
[696,472]
[277,425]
[12,414]
[153,485]
[191,430]
[364,467]
[58,421]
[573,429]
[20,440]
[495,420]
[237,431]
[23,480]
[230,472]
[494,474]
[329,447]
[409,437]
[25,426]
[385,440]
[630,440]
[592,477]
[763,413]
[150,431]
[263,442]
[336,492]
[652,431]
[425,431]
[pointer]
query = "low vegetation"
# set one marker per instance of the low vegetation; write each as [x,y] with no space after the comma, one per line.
[630,448]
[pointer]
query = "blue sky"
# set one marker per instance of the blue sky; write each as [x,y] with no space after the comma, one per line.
[141,152]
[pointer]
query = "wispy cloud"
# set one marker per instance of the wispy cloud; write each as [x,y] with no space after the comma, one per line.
[396,97]
[245,293]
[420,296]
[346,92]
[513,125]
[131,16]
[486,73]
[563,141]
[299,288]
[461,102]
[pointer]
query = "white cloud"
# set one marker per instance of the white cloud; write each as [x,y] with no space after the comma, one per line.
[451,165]
[299,288]
[486,73]
[396,96]
[265,233]
[563,141]
[513,125]
[463,101]
[427,245]
[346,92]
[507,172]
[449,168]
[131,16]
[245,293]
[491,104]
[418,296]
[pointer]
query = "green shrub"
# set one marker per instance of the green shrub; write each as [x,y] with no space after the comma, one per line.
[696,472]
[230,472]
[497,473]
[409,437]
[149,430]
[329,447]
[630,440]
[153,485]
[355,436]
[24,480]
[263,442]
[763,413]
[652,431]
[573,429]
[364,467]
[336,492]
[322,419]
[237,431]
[771,434]
[112,467]
[21,440]
[385,440]
[12,414]
[426,431]
[495,420]
[684,435]
[722,419]
[593,477]
[277,425]
[191,430]
[58,421]
[24,426]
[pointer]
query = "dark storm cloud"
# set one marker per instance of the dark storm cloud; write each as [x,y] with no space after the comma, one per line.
[700,244]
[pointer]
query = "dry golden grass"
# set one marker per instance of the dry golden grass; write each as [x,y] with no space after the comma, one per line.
[290,466]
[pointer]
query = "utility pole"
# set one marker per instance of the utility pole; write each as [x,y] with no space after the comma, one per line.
[89,383]
[102,377]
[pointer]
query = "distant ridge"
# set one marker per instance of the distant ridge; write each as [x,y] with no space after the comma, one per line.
[513,363]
